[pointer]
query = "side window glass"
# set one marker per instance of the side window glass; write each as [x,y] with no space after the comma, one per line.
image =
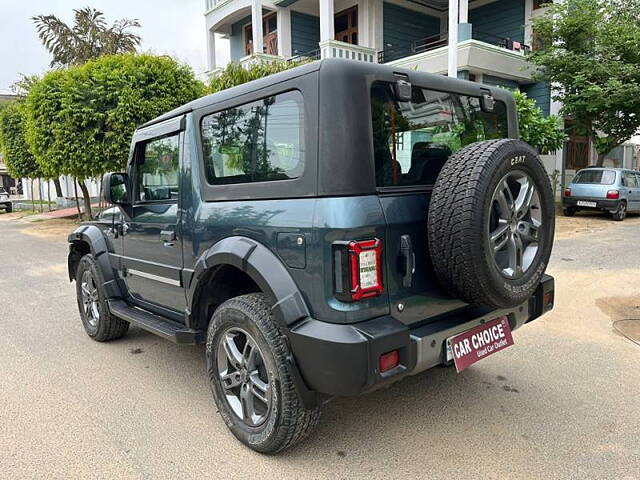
[630,180]
[256,142]
[158,169]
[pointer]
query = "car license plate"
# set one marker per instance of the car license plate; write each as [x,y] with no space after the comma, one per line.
[583,203]
[471,346]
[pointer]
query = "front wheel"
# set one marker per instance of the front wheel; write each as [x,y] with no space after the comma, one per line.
[94,311]
[250,379]
[621,213]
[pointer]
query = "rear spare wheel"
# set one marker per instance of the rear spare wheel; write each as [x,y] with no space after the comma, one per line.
[491,223]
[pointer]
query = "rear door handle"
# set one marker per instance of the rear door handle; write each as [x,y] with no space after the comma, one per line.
[408,259]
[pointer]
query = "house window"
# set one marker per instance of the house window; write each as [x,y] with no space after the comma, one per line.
[346,25]
[541,3]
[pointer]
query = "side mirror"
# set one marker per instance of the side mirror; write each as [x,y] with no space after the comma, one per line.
[114,186]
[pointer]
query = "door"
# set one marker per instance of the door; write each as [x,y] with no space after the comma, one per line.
[632,190]
[346,25]
[152,261]
[269,38]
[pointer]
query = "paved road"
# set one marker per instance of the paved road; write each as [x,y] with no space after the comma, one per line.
[564,402]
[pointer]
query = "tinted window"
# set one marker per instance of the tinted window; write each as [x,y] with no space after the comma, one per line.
[630,180]
[596,177]
[256,142]
[158,169]
[413,140]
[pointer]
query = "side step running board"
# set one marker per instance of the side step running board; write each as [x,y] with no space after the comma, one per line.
[161,326]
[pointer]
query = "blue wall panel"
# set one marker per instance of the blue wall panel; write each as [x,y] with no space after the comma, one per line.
[236,41]
[305,32]
[401,26]
[541,93]
[504,18]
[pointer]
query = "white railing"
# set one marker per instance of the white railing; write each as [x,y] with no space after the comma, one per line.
[209,4]
[337,49]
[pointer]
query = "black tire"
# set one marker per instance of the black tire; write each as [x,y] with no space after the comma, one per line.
[621,212]
[286,422]
[462,206]
[569,211]
[104,326]
[9,208]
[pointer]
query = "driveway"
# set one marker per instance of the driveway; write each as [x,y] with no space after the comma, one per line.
[563,402]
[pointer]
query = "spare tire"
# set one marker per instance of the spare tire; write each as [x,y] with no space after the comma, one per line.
[491,223]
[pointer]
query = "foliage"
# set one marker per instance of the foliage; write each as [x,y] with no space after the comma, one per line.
[80,120]
[88,38]
[235,74]
[590,50]
[543,133]
[19,160]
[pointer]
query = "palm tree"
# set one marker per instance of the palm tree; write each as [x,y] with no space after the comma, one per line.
[89,37]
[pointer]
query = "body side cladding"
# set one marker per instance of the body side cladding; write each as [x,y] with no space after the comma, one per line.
[93,237]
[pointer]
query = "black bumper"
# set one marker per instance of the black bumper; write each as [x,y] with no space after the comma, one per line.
[611,205]
[342,360]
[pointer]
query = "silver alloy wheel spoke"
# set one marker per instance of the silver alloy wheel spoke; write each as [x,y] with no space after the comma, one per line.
[90,299]
[243,376]
[514,224]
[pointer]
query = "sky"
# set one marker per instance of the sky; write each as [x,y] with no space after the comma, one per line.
[169,27]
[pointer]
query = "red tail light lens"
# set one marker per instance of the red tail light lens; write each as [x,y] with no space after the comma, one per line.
[389,361]
[567,192]
[613,194]
[358,270]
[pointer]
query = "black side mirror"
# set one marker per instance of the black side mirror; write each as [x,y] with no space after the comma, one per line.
[115,188]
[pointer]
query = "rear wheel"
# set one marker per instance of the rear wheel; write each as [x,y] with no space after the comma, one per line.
[491,223]
[94,311]
[250,379]
[569,211]
[621,213]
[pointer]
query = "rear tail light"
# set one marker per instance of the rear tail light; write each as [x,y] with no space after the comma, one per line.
[567,192]
[613,195]
[389,361]
[357,270]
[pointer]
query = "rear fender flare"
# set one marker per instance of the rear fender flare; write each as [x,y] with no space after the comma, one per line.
[264,268]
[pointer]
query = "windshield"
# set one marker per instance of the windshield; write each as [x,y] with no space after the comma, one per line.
[595,177]
[413,140]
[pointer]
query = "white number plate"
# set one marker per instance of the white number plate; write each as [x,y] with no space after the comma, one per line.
[582,203]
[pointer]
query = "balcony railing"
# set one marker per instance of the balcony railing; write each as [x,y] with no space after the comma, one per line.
[310,55]
[441,40]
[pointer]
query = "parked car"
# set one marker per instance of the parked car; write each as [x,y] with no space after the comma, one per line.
[613,190]
[324,231]
[5,203]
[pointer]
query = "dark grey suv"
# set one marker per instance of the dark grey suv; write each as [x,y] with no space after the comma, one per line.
[324,232]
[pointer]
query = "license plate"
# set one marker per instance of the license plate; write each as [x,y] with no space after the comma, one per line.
[471,346]
[583,203]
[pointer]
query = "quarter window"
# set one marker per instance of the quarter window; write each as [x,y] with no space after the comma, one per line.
[158,169]
[256,142]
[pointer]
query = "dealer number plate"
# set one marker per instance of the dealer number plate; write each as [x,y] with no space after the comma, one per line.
[471,346]
[583,203]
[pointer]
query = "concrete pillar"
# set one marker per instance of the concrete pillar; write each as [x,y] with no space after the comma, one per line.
[211,50]
[375,22]
[256,26]
[464,11]
[453,39]
[284,31]
[327,31]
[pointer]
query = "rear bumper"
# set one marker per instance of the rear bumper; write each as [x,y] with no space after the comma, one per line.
[342,360]
[611,205]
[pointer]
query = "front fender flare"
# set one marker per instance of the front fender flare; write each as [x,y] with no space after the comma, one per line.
[92,236]
[263,266]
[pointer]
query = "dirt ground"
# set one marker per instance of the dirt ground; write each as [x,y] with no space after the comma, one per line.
[39,227]
[567,227]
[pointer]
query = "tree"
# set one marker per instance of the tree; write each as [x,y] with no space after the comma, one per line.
[235,74]
[88,38]
[545,134]
[81,119]
[17,156]
[590,50]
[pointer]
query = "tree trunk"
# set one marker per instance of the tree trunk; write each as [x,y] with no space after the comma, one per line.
[33,200]
[40,195]
[601,157]
[49,194]
[87,200]
[56,182]
[75,189]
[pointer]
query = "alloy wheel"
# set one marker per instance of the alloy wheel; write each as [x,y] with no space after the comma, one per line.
[515,224]
[244,377]
[90,298]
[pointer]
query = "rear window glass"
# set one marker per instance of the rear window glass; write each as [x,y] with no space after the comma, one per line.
[596,177]
[256,142]
[412,140]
